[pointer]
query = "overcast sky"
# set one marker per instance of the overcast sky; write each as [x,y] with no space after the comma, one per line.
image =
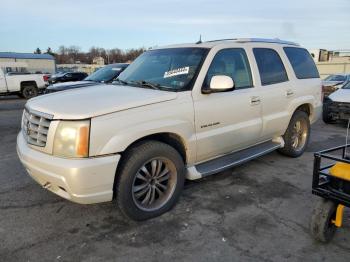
[26,25]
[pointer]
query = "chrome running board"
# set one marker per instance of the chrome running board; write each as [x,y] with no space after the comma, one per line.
[233,159]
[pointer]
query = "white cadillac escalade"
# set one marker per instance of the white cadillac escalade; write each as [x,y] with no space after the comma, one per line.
[177,112]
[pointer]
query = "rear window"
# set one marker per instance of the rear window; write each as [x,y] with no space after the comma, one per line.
[270,66]
[303,65]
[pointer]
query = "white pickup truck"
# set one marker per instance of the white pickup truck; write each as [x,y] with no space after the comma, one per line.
[24,84]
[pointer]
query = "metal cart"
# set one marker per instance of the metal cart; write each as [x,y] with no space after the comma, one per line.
[331,182]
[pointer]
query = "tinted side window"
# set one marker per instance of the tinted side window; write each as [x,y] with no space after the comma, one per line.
[270,66]
[302,63]
[233,63]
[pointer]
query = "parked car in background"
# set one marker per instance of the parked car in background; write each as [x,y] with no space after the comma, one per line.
[66,77]
[333,82]
[105,74]
[181,111]
[337,105]
[23,84]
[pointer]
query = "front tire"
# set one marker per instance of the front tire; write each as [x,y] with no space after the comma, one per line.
[297,135]
[150,180]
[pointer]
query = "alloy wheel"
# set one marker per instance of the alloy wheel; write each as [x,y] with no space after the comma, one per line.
[299,134]
[154,184]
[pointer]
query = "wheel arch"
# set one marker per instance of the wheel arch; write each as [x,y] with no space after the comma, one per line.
[307,108]
[28,83]
[304,106]
[171,139]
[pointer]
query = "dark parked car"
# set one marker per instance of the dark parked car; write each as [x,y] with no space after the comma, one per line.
[106,74]
[67,77]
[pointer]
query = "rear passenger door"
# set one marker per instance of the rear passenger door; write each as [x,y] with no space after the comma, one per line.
[307,80]
[276,91]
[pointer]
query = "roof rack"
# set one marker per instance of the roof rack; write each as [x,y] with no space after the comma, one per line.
[257,40]
[266,40]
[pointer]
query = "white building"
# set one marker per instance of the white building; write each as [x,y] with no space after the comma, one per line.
[43,63]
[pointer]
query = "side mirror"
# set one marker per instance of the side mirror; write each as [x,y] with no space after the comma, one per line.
[220,83]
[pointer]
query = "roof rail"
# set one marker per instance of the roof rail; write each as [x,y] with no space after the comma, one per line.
[257,40]
[225,39]
[266,40]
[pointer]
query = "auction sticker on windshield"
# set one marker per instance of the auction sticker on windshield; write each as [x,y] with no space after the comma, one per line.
[176,72]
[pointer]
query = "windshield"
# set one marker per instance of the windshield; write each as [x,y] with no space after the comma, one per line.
[105,74]
[172,69]
[335,78]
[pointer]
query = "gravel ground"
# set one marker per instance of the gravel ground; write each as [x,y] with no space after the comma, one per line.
[256,212]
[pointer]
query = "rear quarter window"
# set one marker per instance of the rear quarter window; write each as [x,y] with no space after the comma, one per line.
[303,65]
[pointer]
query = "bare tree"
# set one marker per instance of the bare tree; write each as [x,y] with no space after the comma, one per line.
[72,54]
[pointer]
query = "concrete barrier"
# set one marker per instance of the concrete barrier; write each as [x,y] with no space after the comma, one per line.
[327,68]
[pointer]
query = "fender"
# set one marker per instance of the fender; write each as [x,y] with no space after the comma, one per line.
[114,133]
[302,100]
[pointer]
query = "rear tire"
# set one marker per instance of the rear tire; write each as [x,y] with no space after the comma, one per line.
[322,228]
[149,180]
[29,91]
[297,135]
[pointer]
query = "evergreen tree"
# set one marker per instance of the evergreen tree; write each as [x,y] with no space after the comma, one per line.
[49,51]
[37,51]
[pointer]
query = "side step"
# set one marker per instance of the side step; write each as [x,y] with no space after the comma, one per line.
[234,159]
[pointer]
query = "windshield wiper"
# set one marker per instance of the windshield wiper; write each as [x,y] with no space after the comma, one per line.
[142,83]
[147,84]
[121,81]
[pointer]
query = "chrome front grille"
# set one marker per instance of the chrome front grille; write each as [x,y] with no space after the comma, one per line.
[35,127]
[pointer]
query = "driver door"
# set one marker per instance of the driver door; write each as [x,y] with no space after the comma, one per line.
[231,120]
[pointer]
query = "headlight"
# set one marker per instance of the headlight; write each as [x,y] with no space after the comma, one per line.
[72,139]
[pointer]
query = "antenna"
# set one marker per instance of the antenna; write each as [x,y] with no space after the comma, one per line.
[200,40]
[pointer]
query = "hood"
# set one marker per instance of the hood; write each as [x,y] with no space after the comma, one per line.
[331,83]
[341,95]
[70,85]
[89,102]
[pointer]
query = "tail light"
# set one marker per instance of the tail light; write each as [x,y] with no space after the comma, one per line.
[46,78]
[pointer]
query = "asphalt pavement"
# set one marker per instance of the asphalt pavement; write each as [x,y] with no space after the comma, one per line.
[259,211]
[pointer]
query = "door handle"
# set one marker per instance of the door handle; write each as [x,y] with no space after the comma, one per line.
[289,92]
[255,100]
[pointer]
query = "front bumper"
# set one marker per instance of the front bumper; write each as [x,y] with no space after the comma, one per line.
[84,181]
